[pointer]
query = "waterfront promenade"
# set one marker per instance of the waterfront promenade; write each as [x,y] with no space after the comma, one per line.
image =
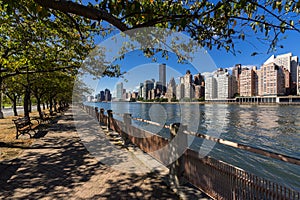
[58,166]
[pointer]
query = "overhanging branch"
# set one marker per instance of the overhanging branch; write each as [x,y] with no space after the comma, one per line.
[82,10]
[38,71]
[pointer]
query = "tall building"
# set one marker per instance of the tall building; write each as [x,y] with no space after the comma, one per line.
[180,91]
[162,77]
[198,79]
[199,91]
[271,80]
[148,86]
[236,72]
[171,89]
[224,84]
[102,96]
[288,83]
[107,95]
[219,86]
[134,95]
[210,88]
[140,93]
[248,82]
[158,87]
[294,66]
[199,85]
[289,62]
[188,87]
[119,90]
[124,95]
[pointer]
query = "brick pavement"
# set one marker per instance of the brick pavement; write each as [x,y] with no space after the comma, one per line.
[58,166]
[74,159]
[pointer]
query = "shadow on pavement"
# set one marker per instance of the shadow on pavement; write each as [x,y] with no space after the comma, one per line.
[58,166]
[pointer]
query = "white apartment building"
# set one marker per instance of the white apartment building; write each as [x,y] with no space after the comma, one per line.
[287,61]
[180,91]
[210,88]
[219,86]
[224,86]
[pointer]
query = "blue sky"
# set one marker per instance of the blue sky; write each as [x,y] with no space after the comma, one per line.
[140,68]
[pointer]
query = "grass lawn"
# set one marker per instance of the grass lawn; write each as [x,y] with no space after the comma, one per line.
[10,147]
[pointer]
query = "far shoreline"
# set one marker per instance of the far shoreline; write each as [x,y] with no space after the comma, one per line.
[203,103]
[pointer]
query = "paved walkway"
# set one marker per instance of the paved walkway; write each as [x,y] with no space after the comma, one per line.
[59,166]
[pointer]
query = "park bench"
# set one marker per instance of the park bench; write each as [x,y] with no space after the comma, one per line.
[45,117]
[24,126]
[62,109]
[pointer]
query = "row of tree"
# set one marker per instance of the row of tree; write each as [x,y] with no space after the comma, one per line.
[40,53]
[43,43]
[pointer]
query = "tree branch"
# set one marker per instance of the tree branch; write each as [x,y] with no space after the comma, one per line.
[263,22]
[82,10]
[38,71]
[275,16]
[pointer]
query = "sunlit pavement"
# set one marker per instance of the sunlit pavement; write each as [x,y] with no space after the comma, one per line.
[58,166]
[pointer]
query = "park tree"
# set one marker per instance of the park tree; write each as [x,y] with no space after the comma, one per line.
[34,41]
[13,90]
[52,87]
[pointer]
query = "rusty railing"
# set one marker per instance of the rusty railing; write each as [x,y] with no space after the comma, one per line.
[216,178]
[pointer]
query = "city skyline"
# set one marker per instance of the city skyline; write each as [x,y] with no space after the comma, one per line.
[151,68]
[289,63]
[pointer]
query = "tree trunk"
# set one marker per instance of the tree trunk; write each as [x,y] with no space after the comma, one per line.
[15,107]
[50,104]
[38,106]
[27,97]
[13,98]
[26,102]
[55,105]
[14,102]
[1,113]
[44,106]
[30,105]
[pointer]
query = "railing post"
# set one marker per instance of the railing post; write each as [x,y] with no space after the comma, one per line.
[109,118]
[125,129]
[176,169]
[101,116]
[96,113]
[127,118]
[174,127]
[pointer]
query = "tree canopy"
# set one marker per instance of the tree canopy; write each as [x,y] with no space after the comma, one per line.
[34,42]
[211,23]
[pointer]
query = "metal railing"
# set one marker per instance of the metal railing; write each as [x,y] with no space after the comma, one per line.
[216,178]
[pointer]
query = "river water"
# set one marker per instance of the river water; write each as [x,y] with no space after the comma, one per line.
[271,127]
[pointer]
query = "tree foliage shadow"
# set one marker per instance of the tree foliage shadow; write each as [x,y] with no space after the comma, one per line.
[57,167]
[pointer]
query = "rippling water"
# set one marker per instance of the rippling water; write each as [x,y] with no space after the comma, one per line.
[271,127]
